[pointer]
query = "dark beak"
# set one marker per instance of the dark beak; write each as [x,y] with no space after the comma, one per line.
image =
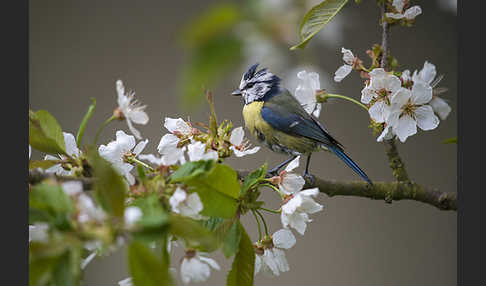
[237,92]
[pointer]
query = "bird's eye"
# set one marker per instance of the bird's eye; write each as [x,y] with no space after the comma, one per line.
[250,85]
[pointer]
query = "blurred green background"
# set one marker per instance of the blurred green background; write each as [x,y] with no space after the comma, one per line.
[168,51]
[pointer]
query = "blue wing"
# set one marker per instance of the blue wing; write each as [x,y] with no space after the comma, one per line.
[283,112]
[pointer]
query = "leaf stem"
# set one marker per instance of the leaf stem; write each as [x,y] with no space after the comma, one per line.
[258,224]
[263,220]
[113,117]
[142,163]
[330,95]
[282,195]
[270,210]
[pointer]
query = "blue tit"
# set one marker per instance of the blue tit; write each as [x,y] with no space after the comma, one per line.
[275,117]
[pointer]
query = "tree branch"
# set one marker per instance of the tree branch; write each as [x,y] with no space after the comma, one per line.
[396,164]
[388,191]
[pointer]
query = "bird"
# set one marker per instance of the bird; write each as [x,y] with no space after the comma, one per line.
[278,120]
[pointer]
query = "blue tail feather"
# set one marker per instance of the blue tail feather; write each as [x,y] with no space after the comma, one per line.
[340,153]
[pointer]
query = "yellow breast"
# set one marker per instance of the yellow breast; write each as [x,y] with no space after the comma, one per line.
[276,140]
[253,118]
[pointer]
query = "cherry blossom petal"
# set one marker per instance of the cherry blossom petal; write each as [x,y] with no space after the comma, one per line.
[72,188]
[237,136]
[348,56]
[426,119]
[342,72]
[412,12]
[139,116]
[178,125]
[125,142]
[394,15]
[440,107]
[140,146]
[269,260]
[151,158]
[421,93]
[291,183]
[386,134]
[283,239]
[392,83]
[70,143]
[132,214]
[378,111]
[293,164]
[167,144]
[280,260]
[399,98]
[405,127]
[211,262]
[398,4]
[427,73]
[367,94]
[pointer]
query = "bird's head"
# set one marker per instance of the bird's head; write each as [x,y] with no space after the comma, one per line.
[255,85]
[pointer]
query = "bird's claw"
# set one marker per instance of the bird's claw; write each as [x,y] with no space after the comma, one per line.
[309,179]
[272,172]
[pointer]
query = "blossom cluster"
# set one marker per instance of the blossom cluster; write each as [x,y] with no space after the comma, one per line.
[404,103]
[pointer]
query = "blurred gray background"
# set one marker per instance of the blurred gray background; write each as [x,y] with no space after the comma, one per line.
[79,48]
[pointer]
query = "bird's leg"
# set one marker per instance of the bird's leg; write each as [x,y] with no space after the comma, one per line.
[274,171]
[307,176]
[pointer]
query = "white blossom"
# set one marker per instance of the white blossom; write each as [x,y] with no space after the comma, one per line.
[409,110]
[345,69]
[196,268]
[88,259]
[71,149]
[288,182]
[295,212]
[381,88]
[240,146]
[408,14]
[38,232]
[131,109]
[273,260]
[197,151]
[169,143]
[186,205]
[72,188]
[126,282]
[428,75]
[305,92]
[116,151]
[132,214]
[88,211]
[30,151]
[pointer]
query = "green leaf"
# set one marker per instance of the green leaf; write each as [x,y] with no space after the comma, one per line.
[316,19]
[87,116]
[110,189]
[154,221]
[224,180]
[40,270]
[216,184]
[243,268]
[253,178]
[68,270]
[450,140]
[49,203]
[190,170]
[193,232]
[146,269]
[232,239]
[43,164]
[217,20]
[45,134]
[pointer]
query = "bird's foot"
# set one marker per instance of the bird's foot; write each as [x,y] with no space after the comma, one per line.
[273,172]
[309,179]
